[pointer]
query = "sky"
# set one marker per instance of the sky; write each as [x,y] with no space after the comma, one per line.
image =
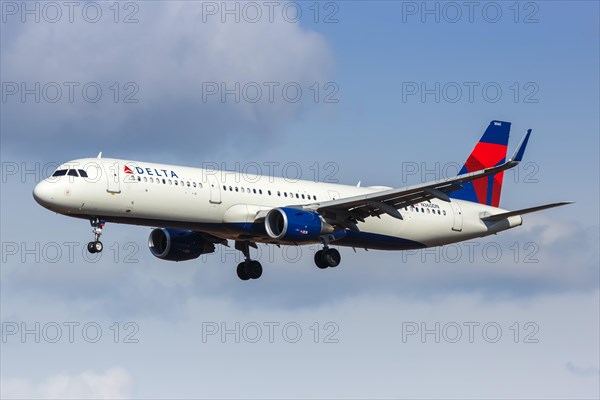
[382,92]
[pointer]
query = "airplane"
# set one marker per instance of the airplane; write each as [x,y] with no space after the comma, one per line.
[194,209]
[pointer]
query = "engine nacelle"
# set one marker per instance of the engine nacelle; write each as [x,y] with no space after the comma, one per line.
[295,225]
[177,245]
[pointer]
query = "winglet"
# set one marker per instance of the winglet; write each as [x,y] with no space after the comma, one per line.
[99,155]
[518,156]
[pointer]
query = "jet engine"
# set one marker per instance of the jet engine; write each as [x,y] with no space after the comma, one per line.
[178,245]
[295,225]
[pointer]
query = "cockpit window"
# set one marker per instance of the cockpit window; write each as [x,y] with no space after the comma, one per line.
[60,172]
[73,172]
[82,173]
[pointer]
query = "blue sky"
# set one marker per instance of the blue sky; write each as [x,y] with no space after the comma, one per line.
[375,132]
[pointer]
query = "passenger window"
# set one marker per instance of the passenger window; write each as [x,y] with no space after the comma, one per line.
[302,197]
[254,191]
[236,189]
[194,184]
[73,172]
[268,191]
[164,181]
[145,179]
[260,191]
[176,183]
[314,197]
[200,185]
[82,173]
[139,178]
[444,212]
[60,172]
[285,194]
[151,180]
[278,193]
[297,196]
[422,210]
[242,190]
[230,189]
[170,182]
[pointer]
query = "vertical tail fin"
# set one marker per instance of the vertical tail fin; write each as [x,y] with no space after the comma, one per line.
[489,152]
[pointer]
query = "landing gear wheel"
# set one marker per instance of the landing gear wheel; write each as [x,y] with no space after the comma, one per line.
[95,247]
[320,260]
[332,257]
[241,271]
[248,269]
[254,269]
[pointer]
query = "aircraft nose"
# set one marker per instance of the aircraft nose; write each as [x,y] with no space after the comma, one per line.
[42,193]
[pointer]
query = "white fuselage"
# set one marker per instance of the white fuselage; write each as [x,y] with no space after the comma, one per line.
[226,204]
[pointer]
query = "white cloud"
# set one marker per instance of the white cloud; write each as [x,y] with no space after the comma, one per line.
[114,383]
[577,370]
[170,55]
[550,231]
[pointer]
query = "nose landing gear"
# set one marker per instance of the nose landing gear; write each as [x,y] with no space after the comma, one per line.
[96,246]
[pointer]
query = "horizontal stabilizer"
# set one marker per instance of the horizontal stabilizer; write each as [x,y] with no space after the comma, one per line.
[499,217]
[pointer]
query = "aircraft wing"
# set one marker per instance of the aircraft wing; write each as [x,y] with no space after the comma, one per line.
[346,211]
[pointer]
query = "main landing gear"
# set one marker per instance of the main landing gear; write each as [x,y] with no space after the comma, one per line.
[327,257]
[96,246]
[248,269]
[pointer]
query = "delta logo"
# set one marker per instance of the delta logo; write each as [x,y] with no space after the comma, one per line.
[164,173]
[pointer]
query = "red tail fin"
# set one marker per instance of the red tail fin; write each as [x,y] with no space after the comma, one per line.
[489,152]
